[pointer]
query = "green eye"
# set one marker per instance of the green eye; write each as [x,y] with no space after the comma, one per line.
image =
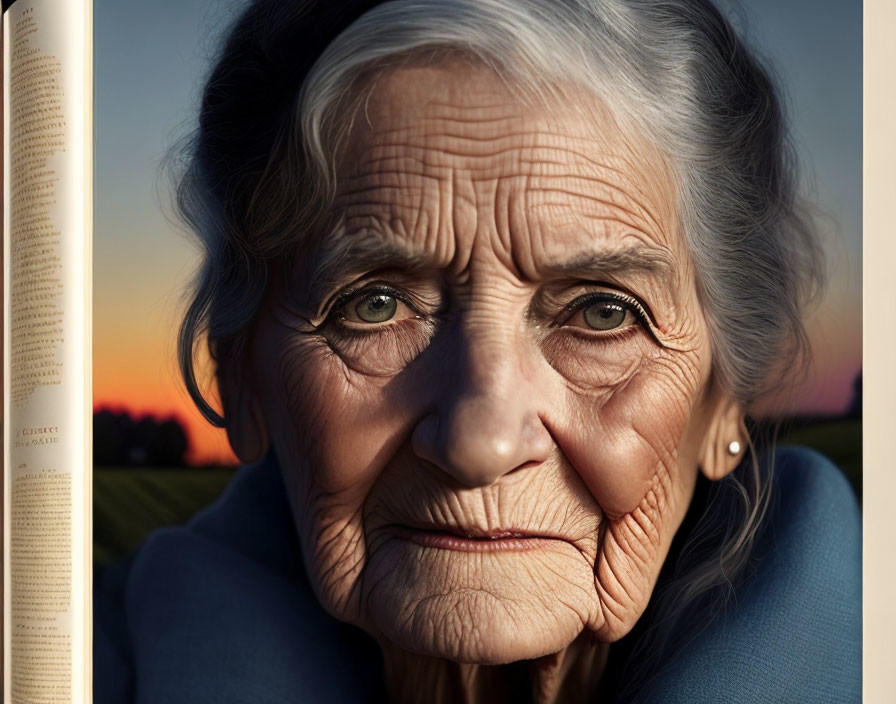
[376,308]
[604,315]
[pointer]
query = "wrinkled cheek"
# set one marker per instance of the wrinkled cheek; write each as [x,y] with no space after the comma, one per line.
[625,446]
[339,425]
[334,431]
[618,476]
[624,443]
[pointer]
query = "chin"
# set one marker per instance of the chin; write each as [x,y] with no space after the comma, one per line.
[482,608]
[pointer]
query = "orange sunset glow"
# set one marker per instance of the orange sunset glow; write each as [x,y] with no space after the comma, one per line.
[135,371]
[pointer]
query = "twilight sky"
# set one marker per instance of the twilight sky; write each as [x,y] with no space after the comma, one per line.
[150,60]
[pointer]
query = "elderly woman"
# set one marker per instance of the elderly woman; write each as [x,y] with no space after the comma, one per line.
[490,286]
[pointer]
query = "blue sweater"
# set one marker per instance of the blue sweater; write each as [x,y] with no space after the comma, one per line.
[221,611]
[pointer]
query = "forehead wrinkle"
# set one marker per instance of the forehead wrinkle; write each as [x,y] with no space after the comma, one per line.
[469,124]
[620,155]
[525,133]
[378,154]
[603,225]
[473,109]
[425,161]
[435,217]
[472,116]
[640,217]
[380,205]
[511,233]
[505,225]
[386,170]
[626,185]
[465,219]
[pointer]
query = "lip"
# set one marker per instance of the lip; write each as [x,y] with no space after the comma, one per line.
[475,540]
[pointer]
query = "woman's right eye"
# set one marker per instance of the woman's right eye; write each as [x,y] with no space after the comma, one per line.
[373,308]
[377,330]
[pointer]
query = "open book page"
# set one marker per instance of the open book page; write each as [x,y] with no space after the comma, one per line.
[47,249]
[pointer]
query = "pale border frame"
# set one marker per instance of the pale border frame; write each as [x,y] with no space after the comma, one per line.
[879,343]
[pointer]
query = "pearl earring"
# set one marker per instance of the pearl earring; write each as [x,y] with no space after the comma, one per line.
[733,447]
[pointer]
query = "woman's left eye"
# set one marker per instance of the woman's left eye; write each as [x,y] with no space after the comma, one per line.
[603,312]
[605,316]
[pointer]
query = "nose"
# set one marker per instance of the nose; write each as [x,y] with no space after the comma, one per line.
[486,422]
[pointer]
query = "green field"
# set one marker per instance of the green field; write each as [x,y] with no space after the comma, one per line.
[129,503]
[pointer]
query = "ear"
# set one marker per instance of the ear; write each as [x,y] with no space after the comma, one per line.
[243,414]
[725,425]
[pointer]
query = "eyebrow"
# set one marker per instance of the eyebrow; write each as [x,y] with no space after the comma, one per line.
[342,258]
[650,260]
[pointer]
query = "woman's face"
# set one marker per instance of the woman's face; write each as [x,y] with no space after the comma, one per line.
[488,388]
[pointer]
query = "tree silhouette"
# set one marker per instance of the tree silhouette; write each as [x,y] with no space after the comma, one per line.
[122,440]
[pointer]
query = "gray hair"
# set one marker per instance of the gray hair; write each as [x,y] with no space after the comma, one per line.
[673,70]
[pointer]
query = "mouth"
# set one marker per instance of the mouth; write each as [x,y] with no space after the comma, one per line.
[473,540]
